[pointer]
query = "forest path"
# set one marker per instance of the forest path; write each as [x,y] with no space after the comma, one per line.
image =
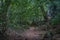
[30,33]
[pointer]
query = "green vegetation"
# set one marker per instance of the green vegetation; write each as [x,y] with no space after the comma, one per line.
[22,13]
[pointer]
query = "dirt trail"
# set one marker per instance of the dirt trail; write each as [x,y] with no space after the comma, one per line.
[34,35]
[29,34]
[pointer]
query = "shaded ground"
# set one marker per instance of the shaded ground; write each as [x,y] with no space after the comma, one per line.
[32,34]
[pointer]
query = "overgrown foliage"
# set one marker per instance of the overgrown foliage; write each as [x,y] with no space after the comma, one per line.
[21,13]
